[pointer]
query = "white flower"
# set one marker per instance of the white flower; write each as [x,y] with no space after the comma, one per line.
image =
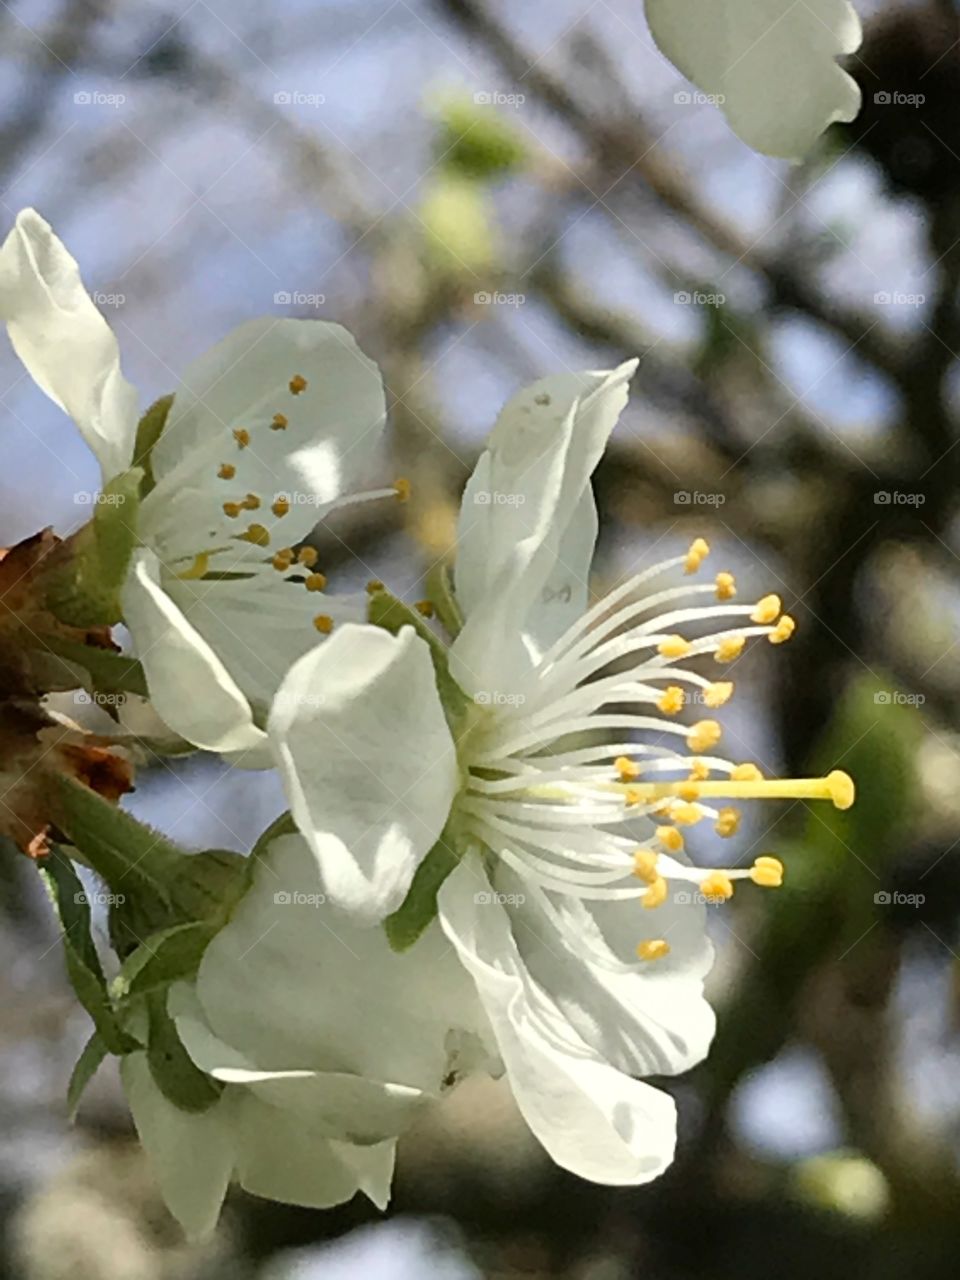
[266,434]
[572,905]
[327,1042]
[771,64]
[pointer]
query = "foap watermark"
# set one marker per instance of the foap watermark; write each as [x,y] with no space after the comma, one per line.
[95,898]
[96,98]
[494,498]
[894,698]
[297,898]
[894,898]
[697,298]
[894,98]
[86,498]
[286,698]
[697,498]
[84,699]
[496,698]
[485,898]
[687,897]
[298,98]
[693,97]
[484,298]
[898,498]
[297,298]
[897,298]
[494,98]
[108,299]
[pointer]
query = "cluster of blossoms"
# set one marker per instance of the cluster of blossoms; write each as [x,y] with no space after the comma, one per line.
[483,864]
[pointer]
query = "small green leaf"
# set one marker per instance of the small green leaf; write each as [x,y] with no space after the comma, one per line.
[149,430]
[85,1068]
[282,826]
[385,610]
[440,592]
[476,141]
[109,672]
[174,1072]
[169,956]
[419,907]
[69,899]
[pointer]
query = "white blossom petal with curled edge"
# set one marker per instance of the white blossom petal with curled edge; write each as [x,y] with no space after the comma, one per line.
[591,1118]
[528,501]
[367,761]
[64,342]
[773,62]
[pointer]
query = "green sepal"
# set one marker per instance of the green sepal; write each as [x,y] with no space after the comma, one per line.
[69,899]
[385,610]
[149,429]
[174,1072]
[284,825]
[171,955]
[419,908]
[109,672]
[84,590]
[441,594]
[84,1069]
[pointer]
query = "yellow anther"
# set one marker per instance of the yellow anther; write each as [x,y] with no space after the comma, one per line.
[685,814]
[280,506]
[279,421]
[198,568]
[699,550]
[699,771]
[746,773]
[841,789]
[726,586]
[783,630]
[715,695]
[674,647]
[670,701]
[323,623]
[373,586]
[257,534]
[297,384]
[767,610]
[251,502]
[308,556]
[282,561]
[401,487]
[242,437]
[226,471]
[425,608]
[717,885]
[704,735]
[632,796]
[645,866]
[656,895]
[670,838]
[728,822]
[232,509]
[628,769]
[767,872]
[688,791]
[653,949]
[729,649]
[316,582]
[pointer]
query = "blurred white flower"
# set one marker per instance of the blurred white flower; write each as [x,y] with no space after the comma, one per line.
[266,434]
[557,811]
[769,64]
[327,1042]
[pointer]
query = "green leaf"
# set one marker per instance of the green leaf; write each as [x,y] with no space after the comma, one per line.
[84,591]
[169,956]
[174,1072]
[440,592]
[385,610]
[477,141]
[109,672]
[85,1068]
[69,899]
[149,430]
[419,908]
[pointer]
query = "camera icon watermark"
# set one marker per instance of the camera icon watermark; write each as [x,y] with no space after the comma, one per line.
[894,98]
[693,97]
[897,298]
[494,98]
[886,898]
[898,498]
[697,498]
[297,298]
[894,698]
[496,698]
[697,298]
[486,298]
[96,898]
[486,898]
[298,98]
[96,98]
[297,898]
[494,498]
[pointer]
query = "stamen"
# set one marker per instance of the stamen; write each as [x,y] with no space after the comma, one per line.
[767,872]
[308,556]
[670,701]
[717,885]
[645,866]
[730,649]
[401,487]
[674,647]
[715,695]
[283,560]
[670,838]
[279,422]
[198,568]
[242,437]
[297,384]
[653,949]
[783,630]
[726,586]
[251,502]
[767,610]
[699,771]
[226,471]
[746,773]
[704,735]
[656,895]
[232,509]
[323,623]
[373,586]
[316,581]
[686,815]
[258,534]
[699,550]
[727,823]
[836,786]
[627,768]
[425,608]
[280,506]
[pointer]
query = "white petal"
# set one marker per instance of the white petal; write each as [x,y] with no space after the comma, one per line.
[527,525]
[774,62]
[591,1118]
[333,425]
[191,1154]
[367,760]
[66,345]
[290,983]
[189,685]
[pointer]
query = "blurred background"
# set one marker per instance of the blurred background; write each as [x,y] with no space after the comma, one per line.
[484,193]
